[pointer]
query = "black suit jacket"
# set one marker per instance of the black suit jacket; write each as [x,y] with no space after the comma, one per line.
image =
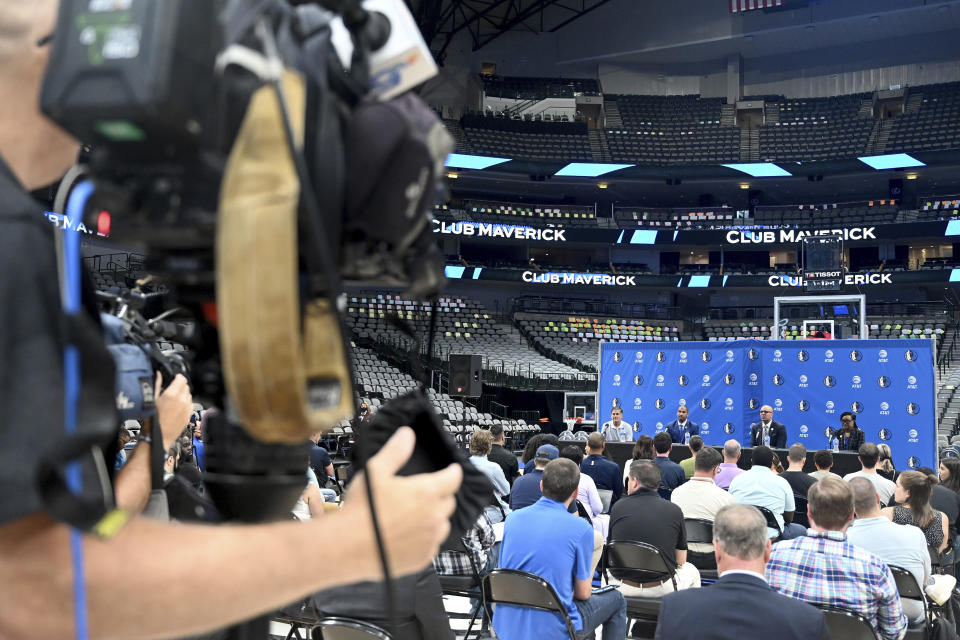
[738,606]
[852,443]
[778,437]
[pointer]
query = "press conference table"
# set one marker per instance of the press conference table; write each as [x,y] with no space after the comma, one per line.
[844,462]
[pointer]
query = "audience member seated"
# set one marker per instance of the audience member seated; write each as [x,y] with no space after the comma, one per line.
[913,491]
[322,466]
[480,444]
[671,474]
[946,499]
[526,490]
[310,503]
[903,547]
[506,459]
[799,481]
[643,516]
[868,455]
[530,450]
[642,450]
[823,461]
[701,498]
[761,487]
[695,445]
[885,466]
[740,604]
[605,473]
[587,494]
[824,568]
[728,468]
[546,540]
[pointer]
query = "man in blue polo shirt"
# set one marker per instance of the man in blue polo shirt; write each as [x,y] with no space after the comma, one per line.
[546,540]
[526,489]
[605,473]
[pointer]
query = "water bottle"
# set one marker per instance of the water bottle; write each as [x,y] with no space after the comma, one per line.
[835,442]
[686,437]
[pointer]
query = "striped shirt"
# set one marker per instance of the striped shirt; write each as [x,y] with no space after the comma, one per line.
[823,568]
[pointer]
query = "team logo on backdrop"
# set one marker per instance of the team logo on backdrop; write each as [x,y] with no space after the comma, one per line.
[913,462]
[803,405]
[913,408]
[830,381]
[706,356]
[617,356]
[637,427]
[659,403]
[856,356]
[828,432]
[616,403]
[728,428]
[885,434]
[778,403]
[728,378]
[802,355]
[661,356]
[753,403]
[704,404]
[884,406]
[856,407]
[753,354]
[683,380]
[883,381]
[910,355]
[777,379]
[828,354]
[638,380]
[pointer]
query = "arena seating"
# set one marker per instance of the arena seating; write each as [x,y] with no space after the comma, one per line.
[828,215]
[463,326]
[577,337]
[669,130]
[677,217]
[931,120]
[939,208]
[516,213]
[529,140]
[816,128]
[883,327]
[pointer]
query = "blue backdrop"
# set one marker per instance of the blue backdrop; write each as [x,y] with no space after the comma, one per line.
[889,384]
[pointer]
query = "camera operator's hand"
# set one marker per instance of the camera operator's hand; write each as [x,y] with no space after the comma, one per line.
[413,511]
[174,408]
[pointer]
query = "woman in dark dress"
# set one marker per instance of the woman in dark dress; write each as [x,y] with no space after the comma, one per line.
[913,492]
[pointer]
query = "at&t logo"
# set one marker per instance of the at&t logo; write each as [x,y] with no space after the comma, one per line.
[706,380]
[830,406]
[659,427]
[683,356]
[704,427]
[913,435]
[912,382]
[884,408]
[777,355]
[753,379]
[729,355]
[778,403]
[616,380]
[803,431]
[639,356]
[828,355]
[636,403]
[882,355]
[728,403]
[803,380]
[855,382]
[660,379]
[682,402]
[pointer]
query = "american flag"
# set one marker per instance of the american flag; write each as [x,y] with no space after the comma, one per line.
[736,6]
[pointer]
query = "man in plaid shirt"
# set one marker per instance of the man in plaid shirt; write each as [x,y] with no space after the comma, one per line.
[822,568]
[479,540]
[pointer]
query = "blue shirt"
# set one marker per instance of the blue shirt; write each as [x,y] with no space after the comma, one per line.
[199,454]
[526,490]
[761,487]
[319,460]
[605,473]
[546,540]
[671,476]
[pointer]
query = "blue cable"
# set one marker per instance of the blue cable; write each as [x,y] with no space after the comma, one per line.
[72,306]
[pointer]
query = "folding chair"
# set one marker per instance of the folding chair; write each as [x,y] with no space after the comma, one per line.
[847,624]
[522,589]
[347,629]
[700,531]
[800,510]
[771,521]
[908,588]
[606,497]
[639,562]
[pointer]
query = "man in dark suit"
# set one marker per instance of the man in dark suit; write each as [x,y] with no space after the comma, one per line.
[849,435]
[741,602]
[681,426]
[768,427]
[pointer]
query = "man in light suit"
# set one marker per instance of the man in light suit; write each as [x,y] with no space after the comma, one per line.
[681,426]
[741,602]
[768,427]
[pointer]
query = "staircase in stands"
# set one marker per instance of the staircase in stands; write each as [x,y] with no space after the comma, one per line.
[598,145]
[611,115]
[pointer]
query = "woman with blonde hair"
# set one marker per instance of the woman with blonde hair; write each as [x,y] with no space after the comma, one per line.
[885,466]
[913,493]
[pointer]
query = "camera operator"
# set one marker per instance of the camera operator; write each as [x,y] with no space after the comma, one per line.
[35,550]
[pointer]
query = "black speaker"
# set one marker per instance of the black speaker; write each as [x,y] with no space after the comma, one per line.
[896,189]
[466,377]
